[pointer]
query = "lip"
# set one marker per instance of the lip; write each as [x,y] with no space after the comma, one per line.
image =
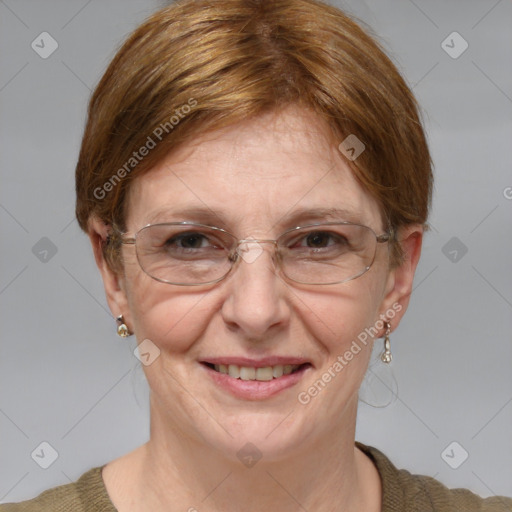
[256,363]
[253,389]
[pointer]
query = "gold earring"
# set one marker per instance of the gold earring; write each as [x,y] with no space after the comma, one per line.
[122,328]
[387,356]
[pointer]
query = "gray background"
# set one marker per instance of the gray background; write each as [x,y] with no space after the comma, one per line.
[67,379]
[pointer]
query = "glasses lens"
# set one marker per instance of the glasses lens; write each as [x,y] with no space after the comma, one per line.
[327,254]
[184,254]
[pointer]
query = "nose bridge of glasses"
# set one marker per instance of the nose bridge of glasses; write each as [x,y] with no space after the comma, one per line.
[249,249]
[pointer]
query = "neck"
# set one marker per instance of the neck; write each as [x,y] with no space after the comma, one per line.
[178,472]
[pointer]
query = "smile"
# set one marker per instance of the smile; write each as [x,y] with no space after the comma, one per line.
[265,373]
[256,380]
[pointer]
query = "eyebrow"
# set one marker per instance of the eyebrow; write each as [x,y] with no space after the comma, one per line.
[206,215]
[327,214]
[201,214]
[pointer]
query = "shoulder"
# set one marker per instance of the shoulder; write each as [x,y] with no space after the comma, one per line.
[403,491]
[87,494]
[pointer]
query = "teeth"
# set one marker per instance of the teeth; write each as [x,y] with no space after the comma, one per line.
[250,373]
[264,373]
[247,373]
[277,371]
[234,371]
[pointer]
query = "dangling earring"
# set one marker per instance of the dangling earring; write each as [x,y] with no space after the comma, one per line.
[122,328]
[379,387]
[387,356]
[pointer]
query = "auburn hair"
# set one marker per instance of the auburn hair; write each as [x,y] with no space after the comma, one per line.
[197,65]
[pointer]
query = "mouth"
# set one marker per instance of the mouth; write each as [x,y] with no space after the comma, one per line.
[253,373]
[247,379]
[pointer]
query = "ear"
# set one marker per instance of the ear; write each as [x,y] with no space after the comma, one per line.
[400,279]
[113,282]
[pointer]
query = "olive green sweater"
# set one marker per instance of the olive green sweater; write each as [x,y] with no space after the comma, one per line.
[401,492]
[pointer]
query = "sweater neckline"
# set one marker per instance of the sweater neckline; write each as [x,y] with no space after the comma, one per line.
[94,495]
[392,495]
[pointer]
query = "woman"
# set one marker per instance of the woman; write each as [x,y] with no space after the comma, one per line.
[255,183]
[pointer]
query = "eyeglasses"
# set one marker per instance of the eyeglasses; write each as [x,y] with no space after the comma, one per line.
[190,254]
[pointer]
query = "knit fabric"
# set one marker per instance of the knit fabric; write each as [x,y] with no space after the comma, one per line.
[401,492]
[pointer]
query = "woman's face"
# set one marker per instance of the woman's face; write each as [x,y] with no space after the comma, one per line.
[256,180]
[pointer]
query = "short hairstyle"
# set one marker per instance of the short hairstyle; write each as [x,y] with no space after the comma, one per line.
[198,65]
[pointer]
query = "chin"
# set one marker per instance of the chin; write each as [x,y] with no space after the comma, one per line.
[271,436]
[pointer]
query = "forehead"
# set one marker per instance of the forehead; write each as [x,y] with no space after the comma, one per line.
[268,173]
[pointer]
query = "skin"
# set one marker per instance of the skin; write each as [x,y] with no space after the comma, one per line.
[254,176]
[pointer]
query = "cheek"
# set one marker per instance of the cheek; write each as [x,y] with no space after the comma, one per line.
[170,316]
[171,320]
[337,317]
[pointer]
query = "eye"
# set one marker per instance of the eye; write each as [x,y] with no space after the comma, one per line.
[322,239]
[319,239]
[189,241]
[169,242]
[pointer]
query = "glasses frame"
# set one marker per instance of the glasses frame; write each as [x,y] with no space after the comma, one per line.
[234,256]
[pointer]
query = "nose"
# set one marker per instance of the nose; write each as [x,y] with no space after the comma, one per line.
[255,300]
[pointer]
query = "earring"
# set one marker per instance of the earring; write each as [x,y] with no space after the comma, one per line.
[379,387]
[387,356]
[122,328]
